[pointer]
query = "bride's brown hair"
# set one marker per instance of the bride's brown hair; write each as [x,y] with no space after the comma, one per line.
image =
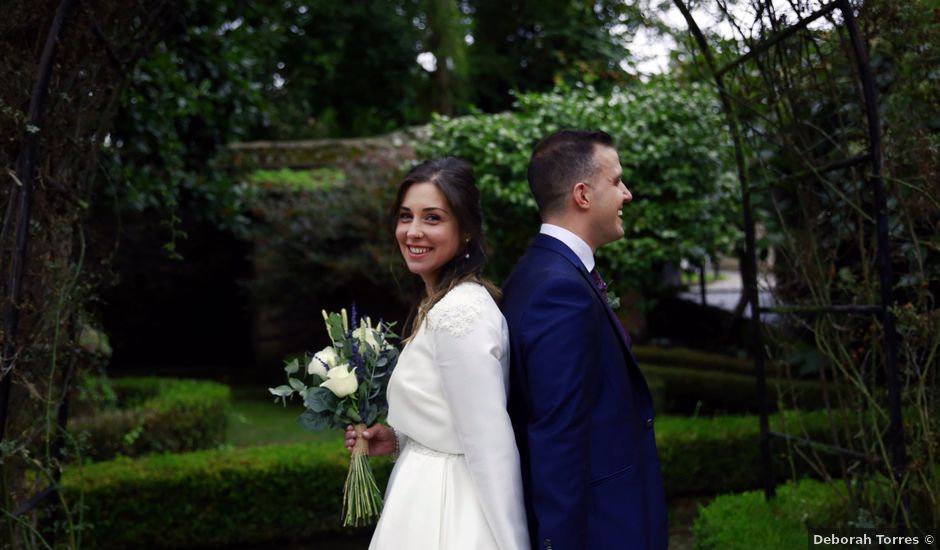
[456,181]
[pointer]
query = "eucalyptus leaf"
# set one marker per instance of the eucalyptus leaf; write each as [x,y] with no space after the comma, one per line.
[314,421]
[296,384]
[339,419]
[321,400]
[372,413]
[292,367]
[282,391]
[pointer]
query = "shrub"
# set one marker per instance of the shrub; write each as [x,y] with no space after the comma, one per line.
[328,221]
[321,240]
[685,357]
[265,494]
[215,498]
[747,520]
[155,415]
[706,392]
[721,454]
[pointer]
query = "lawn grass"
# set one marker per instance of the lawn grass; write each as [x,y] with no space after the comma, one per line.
[255,419]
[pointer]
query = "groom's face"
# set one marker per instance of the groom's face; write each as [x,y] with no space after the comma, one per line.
[609,194]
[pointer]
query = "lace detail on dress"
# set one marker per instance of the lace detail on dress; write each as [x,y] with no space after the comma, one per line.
[457,311]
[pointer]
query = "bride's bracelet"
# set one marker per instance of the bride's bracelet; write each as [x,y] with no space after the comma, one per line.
[397,450]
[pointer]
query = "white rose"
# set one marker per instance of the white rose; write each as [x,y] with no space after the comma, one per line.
[341,381]
[322,360]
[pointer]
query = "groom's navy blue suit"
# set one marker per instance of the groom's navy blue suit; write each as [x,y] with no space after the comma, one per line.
[581,411]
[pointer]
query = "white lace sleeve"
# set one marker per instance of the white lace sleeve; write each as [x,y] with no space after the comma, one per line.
[471,352]
[457,312]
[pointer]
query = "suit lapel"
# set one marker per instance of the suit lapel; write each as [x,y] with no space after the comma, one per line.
[633,368]
[553,244]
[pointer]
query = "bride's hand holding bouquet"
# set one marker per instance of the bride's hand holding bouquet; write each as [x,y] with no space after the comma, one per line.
[379,439]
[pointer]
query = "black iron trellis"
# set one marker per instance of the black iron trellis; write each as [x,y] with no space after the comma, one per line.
[17,228]
[874,157]
[20,208]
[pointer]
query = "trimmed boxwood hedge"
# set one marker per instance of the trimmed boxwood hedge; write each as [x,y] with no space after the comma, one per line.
[686,381]
[722,454]
[708,392]
[685,357]
[214,498]
[278,492]
[746,521]
[155,415]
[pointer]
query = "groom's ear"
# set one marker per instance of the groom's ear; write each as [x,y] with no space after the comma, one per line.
[581,193]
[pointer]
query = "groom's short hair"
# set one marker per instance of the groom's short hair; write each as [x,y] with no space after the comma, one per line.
[561,160]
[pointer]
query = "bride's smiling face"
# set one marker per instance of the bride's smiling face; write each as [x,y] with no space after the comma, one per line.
[427,231]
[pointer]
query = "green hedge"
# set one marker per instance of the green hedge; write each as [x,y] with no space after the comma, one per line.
[696,391]
[722,454]
[685,357]
[214,498]
[155,415]
[746,521]
[279,492]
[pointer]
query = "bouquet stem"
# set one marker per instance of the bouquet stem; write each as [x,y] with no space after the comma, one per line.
[362,500]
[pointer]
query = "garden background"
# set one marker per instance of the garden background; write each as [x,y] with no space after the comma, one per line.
[188,185]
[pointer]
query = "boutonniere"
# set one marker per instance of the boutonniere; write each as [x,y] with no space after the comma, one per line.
[612,299]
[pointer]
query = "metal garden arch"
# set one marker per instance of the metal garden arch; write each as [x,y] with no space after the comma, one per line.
[872,157]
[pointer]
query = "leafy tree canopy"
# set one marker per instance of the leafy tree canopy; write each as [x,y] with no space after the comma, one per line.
[534,45]
[345,68]
[199,90]
[230,71]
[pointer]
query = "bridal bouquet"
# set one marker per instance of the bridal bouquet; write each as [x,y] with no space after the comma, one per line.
[344,384]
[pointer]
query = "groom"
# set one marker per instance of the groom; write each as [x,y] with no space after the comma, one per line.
[580,407]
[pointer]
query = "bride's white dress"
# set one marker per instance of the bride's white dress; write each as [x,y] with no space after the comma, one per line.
[456,484]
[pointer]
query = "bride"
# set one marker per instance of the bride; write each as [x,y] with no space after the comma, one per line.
[456,484]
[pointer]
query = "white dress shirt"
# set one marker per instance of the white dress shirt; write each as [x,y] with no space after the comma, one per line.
[577,245]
